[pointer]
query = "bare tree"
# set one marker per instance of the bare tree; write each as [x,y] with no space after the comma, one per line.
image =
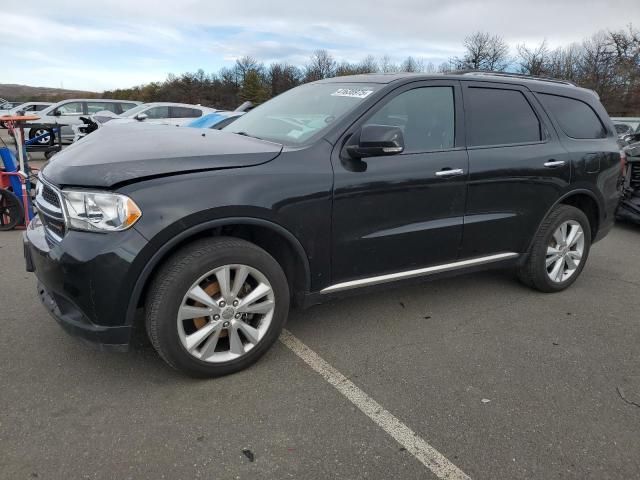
[533,61]
[484,52]
[282,76]
[387,66]
[410,65]
[321,65]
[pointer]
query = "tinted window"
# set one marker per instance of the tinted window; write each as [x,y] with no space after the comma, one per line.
[499,117]
[95,107]
[73,108]
[576,118]
[184,112]
[425,115]
[157,112]
[40,107]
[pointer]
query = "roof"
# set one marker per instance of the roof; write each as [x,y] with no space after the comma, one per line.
[500,77]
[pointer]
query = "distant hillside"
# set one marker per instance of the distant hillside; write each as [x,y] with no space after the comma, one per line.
[45,94]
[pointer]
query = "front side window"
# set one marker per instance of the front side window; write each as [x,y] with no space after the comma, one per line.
[127,106]
[500,117]
[95,107]
[72,108]
[302,113]
[576,118]
[157,112]
[425,115]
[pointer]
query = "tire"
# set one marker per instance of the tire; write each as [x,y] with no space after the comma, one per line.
[11,213]
[43,141]
[198,267]
[536,273]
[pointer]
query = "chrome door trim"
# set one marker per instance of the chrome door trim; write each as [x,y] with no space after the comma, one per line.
[391,277]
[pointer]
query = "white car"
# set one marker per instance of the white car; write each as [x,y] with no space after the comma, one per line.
[5,106]
[164,113]
[27,107]
[68,113]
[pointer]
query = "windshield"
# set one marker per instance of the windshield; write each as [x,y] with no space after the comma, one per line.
[295,116]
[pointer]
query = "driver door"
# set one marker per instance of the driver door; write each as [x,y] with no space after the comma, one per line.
[398,212]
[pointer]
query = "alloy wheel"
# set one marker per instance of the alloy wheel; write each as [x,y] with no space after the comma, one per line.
[44,140]
[225,313]
[565,251]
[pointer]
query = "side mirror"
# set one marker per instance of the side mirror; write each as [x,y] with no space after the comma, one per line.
[56,113]
[141,117]
[376,141]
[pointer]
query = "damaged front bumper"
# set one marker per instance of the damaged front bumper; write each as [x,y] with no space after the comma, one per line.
[629,207]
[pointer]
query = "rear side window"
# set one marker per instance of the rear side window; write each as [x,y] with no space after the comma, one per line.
[576,118]
[184,112]
[500,117]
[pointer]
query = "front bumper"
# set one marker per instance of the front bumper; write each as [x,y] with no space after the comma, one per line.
[85,280]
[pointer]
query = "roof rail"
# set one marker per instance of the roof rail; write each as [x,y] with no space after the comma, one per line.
[514,75]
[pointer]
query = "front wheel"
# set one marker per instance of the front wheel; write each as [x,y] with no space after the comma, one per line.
[11,213]
[216,306]
[559,251]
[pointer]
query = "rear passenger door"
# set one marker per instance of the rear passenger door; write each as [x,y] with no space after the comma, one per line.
[517,168]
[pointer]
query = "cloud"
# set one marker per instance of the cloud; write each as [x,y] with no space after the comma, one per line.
[122,40]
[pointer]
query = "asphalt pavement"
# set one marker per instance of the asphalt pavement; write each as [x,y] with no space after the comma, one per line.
[505,382]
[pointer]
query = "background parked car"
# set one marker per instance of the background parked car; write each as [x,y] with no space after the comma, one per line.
[165,113]
[6,106]
[217,120]
[27,107]
[68,113]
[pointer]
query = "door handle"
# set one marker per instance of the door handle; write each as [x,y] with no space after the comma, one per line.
[554,163]
[450,172]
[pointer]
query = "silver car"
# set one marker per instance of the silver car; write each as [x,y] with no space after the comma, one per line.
[68,112]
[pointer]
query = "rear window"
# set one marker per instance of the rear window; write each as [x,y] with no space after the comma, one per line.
[576,118]
[500,117]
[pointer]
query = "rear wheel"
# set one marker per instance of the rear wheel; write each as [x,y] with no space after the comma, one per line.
[559,251]
[10,210]
[217,306]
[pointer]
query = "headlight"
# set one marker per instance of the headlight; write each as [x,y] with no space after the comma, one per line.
[99,211]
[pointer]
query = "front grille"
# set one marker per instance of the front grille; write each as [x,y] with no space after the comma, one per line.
[50,196]
[50,210]
[53,225]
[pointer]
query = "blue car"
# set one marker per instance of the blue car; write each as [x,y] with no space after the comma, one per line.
[215,120]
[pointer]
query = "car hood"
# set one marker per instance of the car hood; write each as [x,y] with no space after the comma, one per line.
[124,153]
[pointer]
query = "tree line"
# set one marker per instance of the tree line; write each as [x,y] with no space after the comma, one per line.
[608,62]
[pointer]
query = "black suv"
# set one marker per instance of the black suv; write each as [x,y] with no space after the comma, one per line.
[333,186]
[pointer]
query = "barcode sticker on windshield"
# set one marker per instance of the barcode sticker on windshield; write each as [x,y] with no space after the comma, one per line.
[352,92]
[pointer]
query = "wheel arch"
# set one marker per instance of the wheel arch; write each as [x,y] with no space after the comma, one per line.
[272,237]
[584,200]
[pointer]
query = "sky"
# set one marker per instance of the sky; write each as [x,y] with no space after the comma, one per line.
[100,45]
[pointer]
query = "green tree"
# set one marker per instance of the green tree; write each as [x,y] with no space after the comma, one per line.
[253,88]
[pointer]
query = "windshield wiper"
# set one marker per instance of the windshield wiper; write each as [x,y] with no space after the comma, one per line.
[245,134]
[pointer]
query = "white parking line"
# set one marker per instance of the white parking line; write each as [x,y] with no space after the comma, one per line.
[425,453]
